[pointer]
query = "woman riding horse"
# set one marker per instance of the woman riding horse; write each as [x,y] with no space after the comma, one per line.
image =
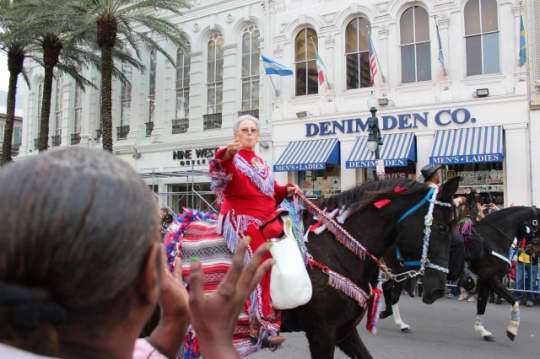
[249,196]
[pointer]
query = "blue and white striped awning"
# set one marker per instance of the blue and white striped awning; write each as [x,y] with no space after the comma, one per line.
[468,145]
[396,150]
[308,155]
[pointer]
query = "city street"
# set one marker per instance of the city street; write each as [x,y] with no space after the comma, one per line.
[440,331]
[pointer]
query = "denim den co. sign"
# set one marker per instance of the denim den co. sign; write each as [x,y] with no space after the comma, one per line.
[402,121]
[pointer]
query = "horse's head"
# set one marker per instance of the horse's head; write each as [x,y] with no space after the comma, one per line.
[411,238]
[532,235]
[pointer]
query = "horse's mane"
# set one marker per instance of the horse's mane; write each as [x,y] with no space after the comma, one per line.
[364,194]
[502,213]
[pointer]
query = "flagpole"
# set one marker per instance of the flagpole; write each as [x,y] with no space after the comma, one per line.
[328,84]
[445,72]
[377,58]
[276,91]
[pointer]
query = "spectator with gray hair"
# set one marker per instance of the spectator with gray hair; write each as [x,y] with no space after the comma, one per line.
[81,266]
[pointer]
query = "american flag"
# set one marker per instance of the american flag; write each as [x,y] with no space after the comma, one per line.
[372,61]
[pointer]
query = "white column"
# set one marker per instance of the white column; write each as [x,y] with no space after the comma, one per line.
[348,175]
[424,146]
[517,181]
[534,132]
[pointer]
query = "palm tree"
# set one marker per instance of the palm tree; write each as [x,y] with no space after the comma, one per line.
[14,42]
[123,24]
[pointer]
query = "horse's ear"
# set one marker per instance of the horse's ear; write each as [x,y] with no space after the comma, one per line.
[449,188]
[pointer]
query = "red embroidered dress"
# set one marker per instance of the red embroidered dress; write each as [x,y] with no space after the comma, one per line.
[249,195]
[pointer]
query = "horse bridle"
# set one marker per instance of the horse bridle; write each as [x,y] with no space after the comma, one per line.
[428,221]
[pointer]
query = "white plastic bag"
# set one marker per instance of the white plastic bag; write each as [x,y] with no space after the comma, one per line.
[290,285]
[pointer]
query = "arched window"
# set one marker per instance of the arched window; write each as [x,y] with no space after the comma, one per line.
[125,95]
[214,105]
[152,86]
[39,97]
[58,103]
[183,63]
[306,67]
[357,53]
[250,68]
[415,45]
[77,109]
[481,37]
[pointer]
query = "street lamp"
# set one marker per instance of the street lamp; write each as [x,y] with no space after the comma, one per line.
[374,140]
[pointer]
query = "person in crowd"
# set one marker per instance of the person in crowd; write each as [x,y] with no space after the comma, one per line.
[431,174]
[165,223]
[249,196]
[79,281]
[526,273]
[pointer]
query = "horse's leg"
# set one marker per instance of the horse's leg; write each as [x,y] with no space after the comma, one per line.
[483,294]
[322,343]
[404,327]
[387,293]
[513,326]
[354,347]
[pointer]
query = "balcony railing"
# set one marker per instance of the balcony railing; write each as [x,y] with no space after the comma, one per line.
[254,113]
[149,128]
[75,138]
[180,125]
[56,140]
[36,143]
[211,121]
[122,132]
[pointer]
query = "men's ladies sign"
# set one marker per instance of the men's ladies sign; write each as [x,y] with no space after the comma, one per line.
[402,121]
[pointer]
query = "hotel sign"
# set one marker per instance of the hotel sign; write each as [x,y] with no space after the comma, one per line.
[192,157]
[403,121]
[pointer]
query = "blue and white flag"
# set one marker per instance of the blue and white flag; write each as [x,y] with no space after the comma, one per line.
[274,68]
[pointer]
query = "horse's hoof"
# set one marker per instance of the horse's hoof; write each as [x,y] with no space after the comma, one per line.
[510,335]
[406,330]
[489,338]
[384,314]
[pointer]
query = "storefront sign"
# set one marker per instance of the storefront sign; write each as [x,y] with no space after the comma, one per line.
[192,157]
[449,160]
[371,163]
[299,167]
[442,118]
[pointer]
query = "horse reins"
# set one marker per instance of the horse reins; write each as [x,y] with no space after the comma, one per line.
[359,250]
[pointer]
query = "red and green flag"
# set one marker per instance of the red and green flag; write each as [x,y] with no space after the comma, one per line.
[321,70]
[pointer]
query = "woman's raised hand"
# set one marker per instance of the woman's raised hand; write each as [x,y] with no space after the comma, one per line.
[232,149]
[214,315]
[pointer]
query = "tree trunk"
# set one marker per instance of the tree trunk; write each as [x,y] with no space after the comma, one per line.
[51,52]
[106,98]
[15,65]
[106,38]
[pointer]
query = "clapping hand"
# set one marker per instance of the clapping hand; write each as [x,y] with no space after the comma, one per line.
[214,315]
[173,302]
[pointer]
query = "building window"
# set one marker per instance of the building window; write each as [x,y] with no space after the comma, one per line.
[481,37]
[357,53]
[77,110]
[58,103]
[250,68]
[152,85]
[125,96]
[215,74]
[415,45]
[304,57]
[38,114]
[183,63]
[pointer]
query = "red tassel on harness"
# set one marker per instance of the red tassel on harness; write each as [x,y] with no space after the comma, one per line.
[314,226]
[398,189]
[380,204]
[373,310]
